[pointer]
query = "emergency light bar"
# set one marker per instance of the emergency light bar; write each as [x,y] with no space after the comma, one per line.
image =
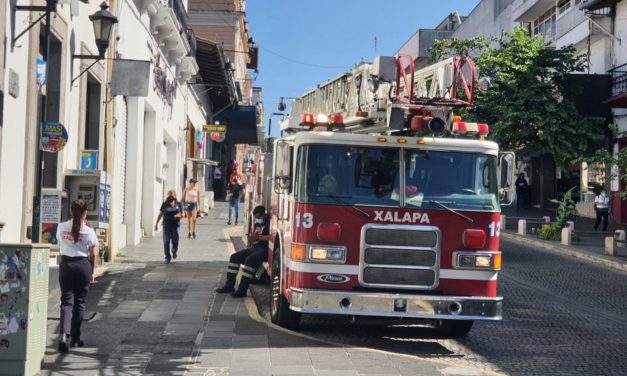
[462,128]
[324,120]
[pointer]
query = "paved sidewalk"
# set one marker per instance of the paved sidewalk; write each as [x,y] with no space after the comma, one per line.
[149,318]
[588,246]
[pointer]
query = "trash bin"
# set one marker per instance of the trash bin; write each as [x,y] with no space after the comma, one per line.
[23,307]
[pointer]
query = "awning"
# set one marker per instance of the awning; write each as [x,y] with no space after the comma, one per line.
[597,4]
[241,125]
[217,82]
[207,162]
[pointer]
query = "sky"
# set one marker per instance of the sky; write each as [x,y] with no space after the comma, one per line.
[307,42]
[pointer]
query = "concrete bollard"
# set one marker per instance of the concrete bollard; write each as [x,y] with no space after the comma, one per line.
[546,219]
[566,238]
[522,227]
[570,225]
[610,246]
[620,235]
[503,222]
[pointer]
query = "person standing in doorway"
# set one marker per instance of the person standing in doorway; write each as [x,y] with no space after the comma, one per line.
[521,191]
[172,212]
[234,192]
[217,181]
[602,208]
[77,243]
[192,201]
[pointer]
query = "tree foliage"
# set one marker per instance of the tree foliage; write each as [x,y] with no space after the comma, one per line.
[528,104]
[617,164]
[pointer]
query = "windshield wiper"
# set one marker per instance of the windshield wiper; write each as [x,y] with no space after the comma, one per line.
[440,204]
[340,200]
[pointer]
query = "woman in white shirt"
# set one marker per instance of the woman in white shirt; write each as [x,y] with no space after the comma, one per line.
[602,208]
[78,255]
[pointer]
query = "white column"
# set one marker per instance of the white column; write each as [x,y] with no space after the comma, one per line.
[134,170]
[152,187]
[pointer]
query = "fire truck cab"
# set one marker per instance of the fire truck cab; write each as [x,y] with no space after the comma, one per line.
[391,226]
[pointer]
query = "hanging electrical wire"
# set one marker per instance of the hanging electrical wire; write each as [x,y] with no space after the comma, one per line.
[302,62]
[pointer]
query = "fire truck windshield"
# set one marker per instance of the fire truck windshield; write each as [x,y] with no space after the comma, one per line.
[363,175]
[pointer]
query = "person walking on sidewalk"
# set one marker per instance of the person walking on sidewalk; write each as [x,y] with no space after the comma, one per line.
[192,200]
[521,191]
[234,191]
[602,208]
[172,212]
[249,259]
[77,243]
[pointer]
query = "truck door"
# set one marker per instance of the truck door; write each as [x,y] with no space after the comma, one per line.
[283,180]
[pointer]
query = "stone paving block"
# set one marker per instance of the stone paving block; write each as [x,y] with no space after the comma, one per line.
[292,370]
[159,310]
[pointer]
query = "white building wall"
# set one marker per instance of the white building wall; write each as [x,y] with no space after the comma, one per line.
[12,142]
[153,137]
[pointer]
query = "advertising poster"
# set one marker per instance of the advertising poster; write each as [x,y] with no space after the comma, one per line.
[50,216]
[41,77]
[53,137]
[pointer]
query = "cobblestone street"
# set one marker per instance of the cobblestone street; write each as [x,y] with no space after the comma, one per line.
[561,317]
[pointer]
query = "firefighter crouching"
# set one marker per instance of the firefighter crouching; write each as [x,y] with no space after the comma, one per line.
[249,259]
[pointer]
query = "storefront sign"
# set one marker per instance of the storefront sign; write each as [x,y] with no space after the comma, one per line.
[217,133]
[163,86]
[53,137]
[89,159]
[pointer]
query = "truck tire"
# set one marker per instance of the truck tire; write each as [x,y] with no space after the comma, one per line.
[455,328]
[280,312]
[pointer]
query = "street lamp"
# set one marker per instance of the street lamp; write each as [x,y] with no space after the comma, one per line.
[103,26]
[103,22]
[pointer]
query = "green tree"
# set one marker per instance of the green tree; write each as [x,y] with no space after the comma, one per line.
[616,164]
[528,104]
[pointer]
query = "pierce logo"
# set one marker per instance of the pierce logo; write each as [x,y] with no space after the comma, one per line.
[333,278]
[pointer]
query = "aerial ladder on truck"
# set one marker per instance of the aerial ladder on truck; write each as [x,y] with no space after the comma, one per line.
[388,96]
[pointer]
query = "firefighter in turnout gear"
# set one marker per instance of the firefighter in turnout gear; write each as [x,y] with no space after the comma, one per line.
[249,260]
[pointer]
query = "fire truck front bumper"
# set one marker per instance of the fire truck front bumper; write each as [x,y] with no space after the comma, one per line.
[396,305]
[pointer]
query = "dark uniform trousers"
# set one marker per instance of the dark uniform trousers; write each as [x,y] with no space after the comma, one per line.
[249,259]
[74,278]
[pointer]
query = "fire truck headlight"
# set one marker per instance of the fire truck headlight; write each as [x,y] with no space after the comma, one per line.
[482,261]
[477,260]
[327,254]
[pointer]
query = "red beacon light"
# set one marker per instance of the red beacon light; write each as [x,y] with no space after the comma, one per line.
[337,120]
[307,119]
[460,127]
[483,129]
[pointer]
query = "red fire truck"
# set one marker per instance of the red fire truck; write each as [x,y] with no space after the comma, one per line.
[384,202]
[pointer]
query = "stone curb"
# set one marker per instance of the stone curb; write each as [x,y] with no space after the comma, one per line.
[567,251]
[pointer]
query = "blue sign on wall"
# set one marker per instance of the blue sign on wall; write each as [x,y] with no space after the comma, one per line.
[89,160]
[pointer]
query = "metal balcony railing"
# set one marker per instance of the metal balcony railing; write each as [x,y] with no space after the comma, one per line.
[619,79]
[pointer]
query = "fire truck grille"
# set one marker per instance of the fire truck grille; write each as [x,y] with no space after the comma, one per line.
[409,257]
[399,276]
[400,256]
[401,238]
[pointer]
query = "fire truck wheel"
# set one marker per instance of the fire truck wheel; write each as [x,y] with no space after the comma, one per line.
[280,312]
[454,328]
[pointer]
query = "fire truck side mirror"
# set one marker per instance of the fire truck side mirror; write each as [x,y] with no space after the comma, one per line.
[507,164]
[282,183]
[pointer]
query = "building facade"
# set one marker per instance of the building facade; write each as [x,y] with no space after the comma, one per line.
[134,120]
